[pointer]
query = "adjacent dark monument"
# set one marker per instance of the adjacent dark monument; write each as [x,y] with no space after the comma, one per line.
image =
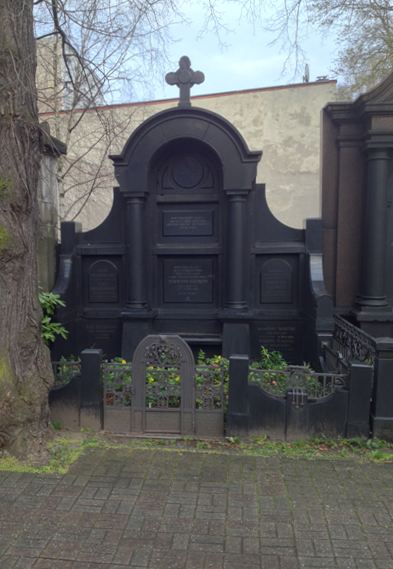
[357,192]
[190,247]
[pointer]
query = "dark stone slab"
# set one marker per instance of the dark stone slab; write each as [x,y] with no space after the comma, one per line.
[276,282]
[188,280]
[187,223]
[103,282]
[284,336]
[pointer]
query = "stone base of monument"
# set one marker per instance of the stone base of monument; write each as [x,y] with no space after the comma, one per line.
[236,338]
[378,322]
[135,328]
[382,428]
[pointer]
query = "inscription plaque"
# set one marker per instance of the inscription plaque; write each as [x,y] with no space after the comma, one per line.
[188,280]
[276,282]
[284,337]
[104,334]
[182,223]
[103,282]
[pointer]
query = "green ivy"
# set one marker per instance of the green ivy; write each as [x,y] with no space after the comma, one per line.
[50,330]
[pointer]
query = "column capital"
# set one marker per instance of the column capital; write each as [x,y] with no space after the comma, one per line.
[377,153]
[135,196]
[237,196]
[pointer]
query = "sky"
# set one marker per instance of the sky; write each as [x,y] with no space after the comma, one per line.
[242,57]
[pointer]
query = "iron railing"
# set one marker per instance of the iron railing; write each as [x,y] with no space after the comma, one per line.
[351,343]
[117,383]
[162,387]
[297,379]
[209,387]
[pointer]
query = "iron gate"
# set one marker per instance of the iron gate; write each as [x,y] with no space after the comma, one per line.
[163,392]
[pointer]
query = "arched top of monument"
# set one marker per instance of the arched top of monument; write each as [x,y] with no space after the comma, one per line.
[239,163]
[375,105]
[381,94]
[186,123]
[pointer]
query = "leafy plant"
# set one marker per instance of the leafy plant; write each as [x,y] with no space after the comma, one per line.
[66,368]
[56,425]
[278,383]
[50,330]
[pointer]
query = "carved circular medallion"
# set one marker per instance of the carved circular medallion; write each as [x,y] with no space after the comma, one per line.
[187,171]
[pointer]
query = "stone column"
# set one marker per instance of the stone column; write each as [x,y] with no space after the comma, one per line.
[235,252]
[372,286]
[136,287]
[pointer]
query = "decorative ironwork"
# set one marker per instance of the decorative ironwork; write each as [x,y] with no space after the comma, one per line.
[64,370]
[117,382]
[298,397]
[298,379]
[163,388]
[209,388]
[352,343]
[162,355]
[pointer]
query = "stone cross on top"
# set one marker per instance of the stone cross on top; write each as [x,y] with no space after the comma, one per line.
[184,78]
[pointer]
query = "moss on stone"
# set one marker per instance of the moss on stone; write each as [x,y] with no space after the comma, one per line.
[5,370]
[5,188]
[5,238]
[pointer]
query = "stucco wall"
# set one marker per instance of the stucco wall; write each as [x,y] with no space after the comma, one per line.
[283,122]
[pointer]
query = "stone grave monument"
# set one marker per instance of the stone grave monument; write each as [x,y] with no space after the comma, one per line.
[190,247]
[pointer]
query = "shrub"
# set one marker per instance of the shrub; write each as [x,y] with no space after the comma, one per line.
[50,330]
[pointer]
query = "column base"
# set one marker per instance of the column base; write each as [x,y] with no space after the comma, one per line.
[136,325]
[376,321]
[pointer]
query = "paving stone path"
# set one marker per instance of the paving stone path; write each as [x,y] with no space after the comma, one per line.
[156,509]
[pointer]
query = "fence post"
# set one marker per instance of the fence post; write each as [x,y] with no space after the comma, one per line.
[360,385]
[91,395]
[238,413]
[382,400]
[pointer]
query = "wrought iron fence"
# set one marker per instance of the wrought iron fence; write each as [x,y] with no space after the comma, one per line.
[163,386]
[297,379]
[117,383]
[64,370]
[351,343]
[210,387]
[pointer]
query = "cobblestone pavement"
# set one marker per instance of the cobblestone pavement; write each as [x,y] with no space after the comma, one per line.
[172,510]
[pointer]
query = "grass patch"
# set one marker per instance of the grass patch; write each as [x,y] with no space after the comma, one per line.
[65,450]
[62,453]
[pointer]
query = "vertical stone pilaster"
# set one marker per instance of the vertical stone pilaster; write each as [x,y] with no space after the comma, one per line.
[238,405]
[91,390]
[382,398]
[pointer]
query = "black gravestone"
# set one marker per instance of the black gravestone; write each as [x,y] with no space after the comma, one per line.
[103,283]
[190,247]
[276,285]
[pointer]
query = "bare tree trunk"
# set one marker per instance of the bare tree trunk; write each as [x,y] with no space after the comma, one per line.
[25,373]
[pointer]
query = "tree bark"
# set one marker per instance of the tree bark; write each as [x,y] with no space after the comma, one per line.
[25,371]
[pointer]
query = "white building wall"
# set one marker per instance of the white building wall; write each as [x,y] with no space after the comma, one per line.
[283,122]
